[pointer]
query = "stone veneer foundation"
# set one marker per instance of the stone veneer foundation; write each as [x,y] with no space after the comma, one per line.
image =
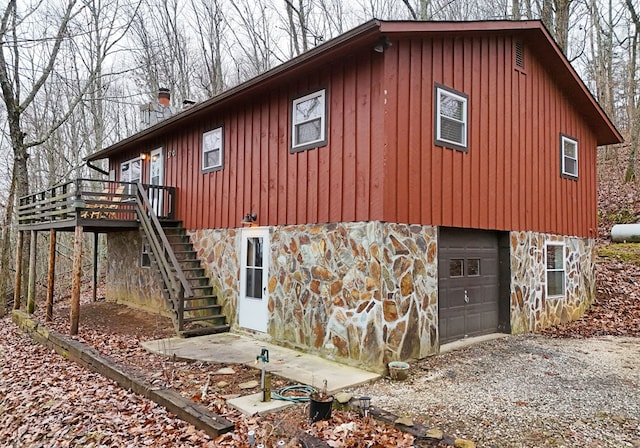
[127,282]
[530,308]
[364,293]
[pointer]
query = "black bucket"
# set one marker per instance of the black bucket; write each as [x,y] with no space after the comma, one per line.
[320,409]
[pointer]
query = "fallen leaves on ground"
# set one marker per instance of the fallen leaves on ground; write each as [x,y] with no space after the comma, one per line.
[616,309]
[70,406]
[47,400]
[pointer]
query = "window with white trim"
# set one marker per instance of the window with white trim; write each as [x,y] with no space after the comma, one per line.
[212,150]
[131,171]
[555,272]
[309,121]
[451,111]
[569,156]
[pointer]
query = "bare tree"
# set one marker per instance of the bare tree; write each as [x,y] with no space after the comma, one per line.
[210,29]
[34,76]
[632,93]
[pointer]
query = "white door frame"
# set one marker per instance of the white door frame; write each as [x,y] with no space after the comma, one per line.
[156,156]
[253,302]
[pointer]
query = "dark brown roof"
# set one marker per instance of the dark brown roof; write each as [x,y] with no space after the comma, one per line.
[533,31]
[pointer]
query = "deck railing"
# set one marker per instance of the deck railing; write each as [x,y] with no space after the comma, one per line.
[92,200]
[166,261]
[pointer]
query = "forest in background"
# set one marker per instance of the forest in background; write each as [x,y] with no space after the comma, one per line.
[73,73]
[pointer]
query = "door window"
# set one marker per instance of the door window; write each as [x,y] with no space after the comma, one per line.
[254,268]
[131,171]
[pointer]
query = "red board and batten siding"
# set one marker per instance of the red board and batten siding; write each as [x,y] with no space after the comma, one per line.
[335,183]
[510,177]
[380,162]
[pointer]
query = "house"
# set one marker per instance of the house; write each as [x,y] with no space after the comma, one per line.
[401,186]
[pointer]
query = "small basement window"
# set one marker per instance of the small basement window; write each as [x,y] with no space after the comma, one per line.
[451,118]
[569,156]
[145,260]
[212,150]
[309,121]
[555,273]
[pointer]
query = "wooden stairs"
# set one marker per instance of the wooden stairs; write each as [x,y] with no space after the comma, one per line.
[185,286]
[199,314]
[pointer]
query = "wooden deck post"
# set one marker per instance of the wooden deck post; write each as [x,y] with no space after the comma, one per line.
[74,313]
[52,274]
[31,293]
[95,266]
[17,284]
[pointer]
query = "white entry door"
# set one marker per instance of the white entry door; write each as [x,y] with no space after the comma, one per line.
[252,307]
[156,177]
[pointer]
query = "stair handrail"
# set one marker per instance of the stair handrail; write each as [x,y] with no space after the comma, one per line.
[154,230]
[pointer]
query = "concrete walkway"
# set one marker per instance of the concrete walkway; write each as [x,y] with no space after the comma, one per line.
[298,367]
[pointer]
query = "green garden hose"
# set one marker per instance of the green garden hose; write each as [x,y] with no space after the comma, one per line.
[301,392]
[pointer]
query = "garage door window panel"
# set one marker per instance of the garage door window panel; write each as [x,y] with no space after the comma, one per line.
[473,267]
[456,268]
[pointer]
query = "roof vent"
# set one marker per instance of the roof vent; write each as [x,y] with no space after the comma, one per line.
[519,54]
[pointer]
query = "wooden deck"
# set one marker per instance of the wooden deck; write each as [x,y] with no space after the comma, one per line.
[98,206]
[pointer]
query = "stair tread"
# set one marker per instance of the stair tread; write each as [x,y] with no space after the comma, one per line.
[202,307]
[205,297]
[201,331]
[201,318]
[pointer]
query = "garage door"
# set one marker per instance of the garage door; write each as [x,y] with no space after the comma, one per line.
[468,289]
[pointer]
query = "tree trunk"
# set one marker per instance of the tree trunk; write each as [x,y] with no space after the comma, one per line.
[562,8]
[5,247]
[515,10]
[18,277]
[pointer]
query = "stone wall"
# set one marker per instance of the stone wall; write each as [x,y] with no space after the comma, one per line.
[219,251]
[363,293]
[127,282]
[530,308]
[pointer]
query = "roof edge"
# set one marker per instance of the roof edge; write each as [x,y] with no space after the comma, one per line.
[361,31]
[610,134]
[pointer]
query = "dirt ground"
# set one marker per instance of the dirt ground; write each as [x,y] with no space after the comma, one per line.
[116,330]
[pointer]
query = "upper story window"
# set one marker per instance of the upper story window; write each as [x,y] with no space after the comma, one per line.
[309,121]
[451,111]
[212,150]
[569,156]
[555,273]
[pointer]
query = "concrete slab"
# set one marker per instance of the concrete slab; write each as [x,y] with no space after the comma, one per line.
[253,404]
[296,366]
[463,343]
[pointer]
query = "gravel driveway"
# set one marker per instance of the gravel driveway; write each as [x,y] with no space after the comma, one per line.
[525,391]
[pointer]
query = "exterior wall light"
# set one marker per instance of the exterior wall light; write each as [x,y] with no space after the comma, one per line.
[382,44]
[249,219]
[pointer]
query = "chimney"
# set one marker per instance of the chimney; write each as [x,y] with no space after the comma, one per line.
[164,97]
